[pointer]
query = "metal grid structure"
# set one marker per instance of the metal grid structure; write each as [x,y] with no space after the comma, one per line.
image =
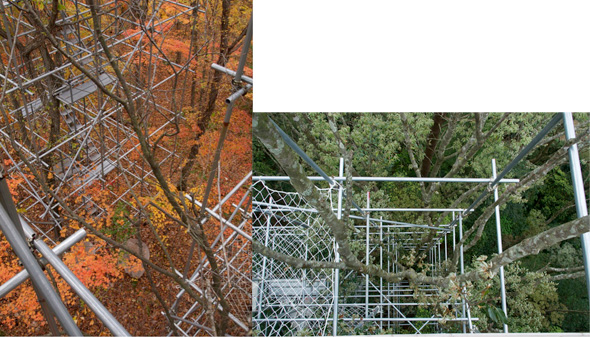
[289,301]
[96,148]
[233,252]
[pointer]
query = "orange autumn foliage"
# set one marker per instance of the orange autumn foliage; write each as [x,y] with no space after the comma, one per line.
[166,43]
[95,267]
[236,157]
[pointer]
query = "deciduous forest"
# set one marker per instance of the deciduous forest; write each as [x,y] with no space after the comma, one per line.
[140,195]
[124,125]
[542,256]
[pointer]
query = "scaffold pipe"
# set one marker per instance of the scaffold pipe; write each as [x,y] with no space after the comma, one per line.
[95,305]
[21,277]
[579,194]
[37,276]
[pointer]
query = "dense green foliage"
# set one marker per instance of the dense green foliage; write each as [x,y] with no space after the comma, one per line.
[383,145]
[531,297]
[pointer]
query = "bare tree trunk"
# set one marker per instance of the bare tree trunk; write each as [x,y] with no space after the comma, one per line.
[432,142]
[194,39]
[222,59]
[205,116]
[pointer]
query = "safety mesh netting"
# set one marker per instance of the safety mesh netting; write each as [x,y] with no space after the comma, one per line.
[289,301]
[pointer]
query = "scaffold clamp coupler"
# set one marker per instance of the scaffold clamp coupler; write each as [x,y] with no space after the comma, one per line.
[491,186]
[31,242]
[237,83]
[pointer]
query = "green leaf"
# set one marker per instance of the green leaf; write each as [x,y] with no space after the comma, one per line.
[492,314]
[501,316]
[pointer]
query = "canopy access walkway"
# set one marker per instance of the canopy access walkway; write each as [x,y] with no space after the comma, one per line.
[290,301]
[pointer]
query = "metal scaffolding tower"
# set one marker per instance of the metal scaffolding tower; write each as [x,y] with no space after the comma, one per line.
[58,119]
[291,301]
[61,123]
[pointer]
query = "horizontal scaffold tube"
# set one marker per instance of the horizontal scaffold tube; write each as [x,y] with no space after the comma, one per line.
[374,319]
[230,72]
[283,208]
[393,179]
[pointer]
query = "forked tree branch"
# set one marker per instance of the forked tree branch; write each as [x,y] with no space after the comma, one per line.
[289,161]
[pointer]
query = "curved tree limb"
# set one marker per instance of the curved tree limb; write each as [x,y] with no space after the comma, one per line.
[531,246]
[290,162]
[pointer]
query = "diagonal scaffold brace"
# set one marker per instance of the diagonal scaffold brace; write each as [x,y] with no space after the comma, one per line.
[14,233]
[23,240]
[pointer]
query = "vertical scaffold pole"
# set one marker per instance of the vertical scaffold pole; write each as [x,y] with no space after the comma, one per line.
[381,300]
[446,256]
[367,259]
[439,256]
[306,257]
[579,194]
[454,239]
[264,259]
[499,240]
[433,259]
[461,263]
[336,255]
[461,247]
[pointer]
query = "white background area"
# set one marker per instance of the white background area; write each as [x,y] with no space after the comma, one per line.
[421,55]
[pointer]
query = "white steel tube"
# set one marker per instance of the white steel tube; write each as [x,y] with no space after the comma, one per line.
[291,208]
[367,258]
[391,179]
[21,277]
[461,238]
[95,305]
[337,256]
[400,319]
[499,240]
[454,239]
[409,209]
[232,73]
[381,264]
[439,254]
[579,194]
[468,310]
[461,260]
[446,257]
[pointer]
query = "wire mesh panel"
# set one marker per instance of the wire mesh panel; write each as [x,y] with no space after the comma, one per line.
[289,301]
